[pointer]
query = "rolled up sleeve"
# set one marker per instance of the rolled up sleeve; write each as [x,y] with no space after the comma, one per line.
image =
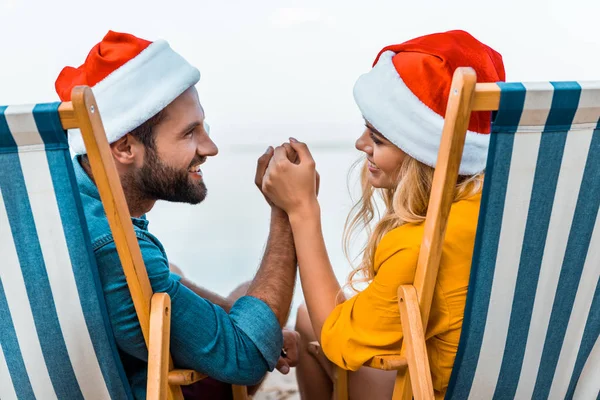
[239,347]
[259,322]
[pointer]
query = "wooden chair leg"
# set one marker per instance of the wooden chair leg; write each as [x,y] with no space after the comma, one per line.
[402,388]
[239,392]
[414,343]
[340,384]
[175,393]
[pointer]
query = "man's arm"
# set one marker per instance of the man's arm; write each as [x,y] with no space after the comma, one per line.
[278,264]
[275,279]
[237,347]
[274,282]
[276,276]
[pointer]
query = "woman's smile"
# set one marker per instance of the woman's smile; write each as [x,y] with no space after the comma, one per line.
[372,166]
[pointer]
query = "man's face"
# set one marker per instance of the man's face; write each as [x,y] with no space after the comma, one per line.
[171,170]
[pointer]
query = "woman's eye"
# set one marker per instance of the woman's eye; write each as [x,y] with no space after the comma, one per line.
[375,139]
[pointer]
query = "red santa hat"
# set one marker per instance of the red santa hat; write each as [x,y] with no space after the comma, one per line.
[132,79]
[406,93]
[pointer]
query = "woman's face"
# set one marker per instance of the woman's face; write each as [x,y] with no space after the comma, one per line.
[383,158]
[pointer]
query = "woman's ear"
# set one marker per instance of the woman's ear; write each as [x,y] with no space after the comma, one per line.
[126,149]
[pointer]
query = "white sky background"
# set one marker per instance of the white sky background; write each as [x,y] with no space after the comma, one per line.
[274,69]
[271,69]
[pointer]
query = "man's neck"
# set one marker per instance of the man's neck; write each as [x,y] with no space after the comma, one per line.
[137,205]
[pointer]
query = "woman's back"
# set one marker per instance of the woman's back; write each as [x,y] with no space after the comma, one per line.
[369,324]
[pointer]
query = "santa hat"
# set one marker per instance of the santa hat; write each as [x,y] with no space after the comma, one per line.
[132,79]
[405,95]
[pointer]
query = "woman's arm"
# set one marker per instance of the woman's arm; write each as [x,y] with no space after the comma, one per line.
[292,187]
[319,284]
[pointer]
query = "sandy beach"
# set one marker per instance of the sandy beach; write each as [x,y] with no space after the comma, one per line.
[279,387]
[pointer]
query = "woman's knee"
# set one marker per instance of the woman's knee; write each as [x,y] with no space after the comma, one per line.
[303,324]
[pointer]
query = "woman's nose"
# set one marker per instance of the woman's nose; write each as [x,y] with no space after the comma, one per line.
[363,143]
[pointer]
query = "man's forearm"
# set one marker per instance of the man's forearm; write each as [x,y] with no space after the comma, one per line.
[274,281]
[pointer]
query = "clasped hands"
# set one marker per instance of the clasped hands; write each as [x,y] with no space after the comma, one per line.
[287,177]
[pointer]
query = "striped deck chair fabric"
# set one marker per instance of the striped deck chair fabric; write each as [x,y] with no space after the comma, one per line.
[56,340]
[532,318]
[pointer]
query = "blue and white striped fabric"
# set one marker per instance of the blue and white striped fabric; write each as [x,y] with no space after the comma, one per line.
[532,318]
[56,340]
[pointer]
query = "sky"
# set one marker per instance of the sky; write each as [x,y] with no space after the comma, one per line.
[274,69]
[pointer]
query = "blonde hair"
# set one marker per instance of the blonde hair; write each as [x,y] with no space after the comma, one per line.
[405,204]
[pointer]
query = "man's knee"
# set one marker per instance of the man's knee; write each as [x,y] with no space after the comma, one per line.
[239,291]
[175,269]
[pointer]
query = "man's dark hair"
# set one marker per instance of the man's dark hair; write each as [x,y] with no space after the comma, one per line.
[145,132]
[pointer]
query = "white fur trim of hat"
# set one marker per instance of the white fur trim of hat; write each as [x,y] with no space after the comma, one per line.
[393,109]
[138,90]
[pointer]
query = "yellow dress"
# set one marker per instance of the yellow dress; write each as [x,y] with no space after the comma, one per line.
[368,324]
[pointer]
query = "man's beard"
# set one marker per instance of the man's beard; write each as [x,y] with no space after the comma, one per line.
[159,181]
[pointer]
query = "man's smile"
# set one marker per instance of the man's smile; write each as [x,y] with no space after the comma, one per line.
[196,170]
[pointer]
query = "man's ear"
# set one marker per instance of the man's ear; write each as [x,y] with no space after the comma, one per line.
[126,150]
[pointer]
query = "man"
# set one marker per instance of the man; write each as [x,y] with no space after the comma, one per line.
[158,138]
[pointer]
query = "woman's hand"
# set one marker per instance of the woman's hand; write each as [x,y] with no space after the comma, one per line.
[263,163]
[292,186]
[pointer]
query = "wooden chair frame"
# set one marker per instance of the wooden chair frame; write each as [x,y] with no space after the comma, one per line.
[153,310]
[414,301]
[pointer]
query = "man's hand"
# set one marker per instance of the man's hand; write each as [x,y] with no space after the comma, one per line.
[263,163]
[291,340]
[261,167]
[275,279]
[291,186]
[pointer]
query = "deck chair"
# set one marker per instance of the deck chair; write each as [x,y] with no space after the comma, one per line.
[56,339]
[532,318]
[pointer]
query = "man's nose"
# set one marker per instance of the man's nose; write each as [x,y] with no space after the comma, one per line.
[208,148]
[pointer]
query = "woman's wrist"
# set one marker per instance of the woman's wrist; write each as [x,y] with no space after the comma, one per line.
[305,212]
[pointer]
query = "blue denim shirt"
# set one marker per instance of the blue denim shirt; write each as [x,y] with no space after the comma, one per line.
[239,347]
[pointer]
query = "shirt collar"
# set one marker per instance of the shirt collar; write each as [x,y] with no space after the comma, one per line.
[88,188]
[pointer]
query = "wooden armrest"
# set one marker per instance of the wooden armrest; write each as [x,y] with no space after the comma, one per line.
[387,363]
[158,347]
[67,116]
[184,377]
[240,392]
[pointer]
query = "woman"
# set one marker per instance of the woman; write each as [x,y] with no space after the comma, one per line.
[403,100]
